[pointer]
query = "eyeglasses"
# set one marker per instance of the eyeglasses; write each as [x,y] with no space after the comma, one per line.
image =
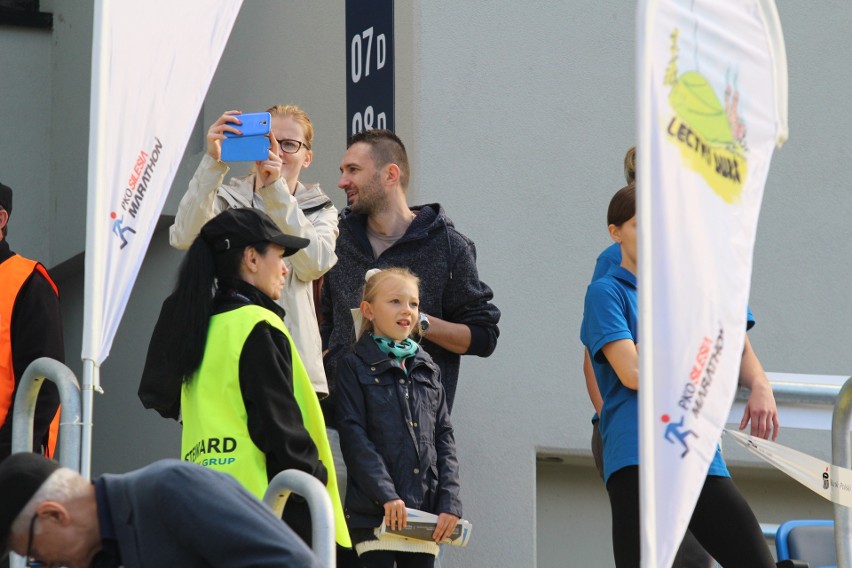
[291,146]
[32,562]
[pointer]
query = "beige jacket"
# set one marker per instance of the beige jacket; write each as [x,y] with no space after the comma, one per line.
[208,196]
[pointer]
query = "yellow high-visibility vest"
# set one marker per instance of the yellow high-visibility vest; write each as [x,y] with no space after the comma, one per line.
[215,422]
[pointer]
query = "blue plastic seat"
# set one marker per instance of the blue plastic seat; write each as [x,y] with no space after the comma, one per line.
[810,540]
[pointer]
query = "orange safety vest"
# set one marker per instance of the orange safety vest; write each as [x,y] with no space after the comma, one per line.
[14,272]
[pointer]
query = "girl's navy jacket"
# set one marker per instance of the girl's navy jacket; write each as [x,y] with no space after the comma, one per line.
[395,434]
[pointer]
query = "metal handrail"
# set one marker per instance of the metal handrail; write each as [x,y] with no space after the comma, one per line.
[769,530]
[841,456]
[319,503]
[798,393]
[70,424]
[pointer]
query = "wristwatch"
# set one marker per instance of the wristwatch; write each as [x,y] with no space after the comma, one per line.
[424,324]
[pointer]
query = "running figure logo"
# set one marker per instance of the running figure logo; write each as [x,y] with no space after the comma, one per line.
[119,229]
[675,431]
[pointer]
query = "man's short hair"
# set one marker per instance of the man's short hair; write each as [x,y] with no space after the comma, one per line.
[385,148]
[62,486]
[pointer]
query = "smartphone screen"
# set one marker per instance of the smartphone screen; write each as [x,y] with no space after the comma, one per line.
[245,149]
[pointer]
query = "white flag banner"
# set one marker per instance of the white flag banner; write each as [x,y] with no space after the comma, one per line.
[152,64]
[826,480]
[712,113]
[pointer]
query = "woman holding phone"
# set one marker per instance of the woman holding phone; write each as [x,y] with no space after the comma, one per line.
[300,210]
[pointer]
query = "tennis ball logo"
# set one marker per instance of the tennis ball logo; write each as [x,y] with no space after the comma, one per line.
[693,100]
[709,134]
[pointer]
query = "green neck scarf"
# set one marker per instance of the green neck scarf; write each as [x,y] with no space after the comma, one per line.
[398,351]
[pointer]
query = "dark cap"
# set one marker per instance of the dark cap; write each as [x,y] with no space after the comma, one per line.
[21,475]
[237,228]
[6,198]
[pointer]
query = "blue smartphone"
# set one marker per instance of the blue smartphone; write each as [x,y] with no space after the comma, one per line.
[253,124]
[245,149]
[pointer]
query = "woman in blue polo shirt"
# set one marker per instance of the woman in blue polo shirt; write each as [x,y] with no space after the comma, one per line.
[722,521]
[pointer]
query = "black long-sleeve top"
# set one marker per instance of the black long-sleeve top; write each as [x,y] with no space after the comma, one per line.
[36,331]
[266,383]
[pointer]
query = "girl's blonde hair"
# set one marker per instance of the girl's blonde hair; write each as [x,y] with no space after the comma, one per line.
[300,116]
[630,165]
[374,279]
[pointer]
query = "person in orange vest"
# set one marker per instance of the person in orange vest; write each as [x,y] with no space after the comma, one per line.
[30,327]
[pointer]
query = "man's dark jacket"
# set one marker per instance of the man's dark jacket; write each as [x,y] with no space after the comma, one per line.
[450,288]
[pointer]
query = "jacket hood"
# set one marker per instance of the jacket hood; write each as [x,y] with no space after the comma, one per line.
[310,196]
[429,216]
[307,196]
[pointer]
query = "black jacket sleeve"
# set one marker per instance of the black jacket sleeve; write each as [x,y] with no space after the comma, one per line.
[467,300]
[36,332]
[274,417]
[160,385]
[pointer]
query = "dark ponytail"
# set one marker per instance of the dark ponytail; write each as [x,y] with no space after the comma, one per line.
[201,274]
[193,296]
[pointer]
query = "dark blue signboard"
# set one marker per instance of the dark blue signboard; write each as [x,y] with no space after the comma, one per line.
[369,65]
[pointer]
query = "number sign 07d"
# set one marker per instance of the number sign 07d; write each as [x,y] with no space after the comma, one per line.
[369,65]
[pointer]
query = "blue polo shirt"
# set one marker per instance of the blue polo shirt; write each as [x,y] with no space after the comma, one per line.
[611,314]
[611,256]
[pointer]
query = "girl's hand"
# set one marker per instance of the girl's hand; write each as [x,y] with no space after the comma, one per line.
[216,133]
[269,170]
[396,517]
[444,527]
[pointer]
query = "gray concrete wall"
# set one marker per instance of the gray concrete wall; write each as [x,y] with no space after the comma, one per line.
[517,116]
[26,147]
[281,53]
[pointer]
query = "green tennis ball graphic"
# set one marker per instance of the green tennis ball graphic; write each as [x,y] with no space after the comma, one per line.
[695,102]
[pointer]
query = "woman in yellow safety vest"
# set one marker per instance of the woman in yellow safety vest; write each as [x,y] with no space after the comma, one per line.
[246,402]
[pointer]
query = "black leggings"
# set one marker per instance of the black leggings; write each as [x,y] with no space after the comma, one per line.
[690,554]
[386,559]
[722,522]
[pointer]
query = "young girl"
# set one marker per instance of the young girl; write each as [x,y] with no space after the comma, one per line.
[722,522]
[395,429]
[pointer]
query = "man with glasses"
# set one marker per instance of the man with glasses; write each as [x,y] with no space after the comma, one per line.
[301,210]
[30,327]
[170,513]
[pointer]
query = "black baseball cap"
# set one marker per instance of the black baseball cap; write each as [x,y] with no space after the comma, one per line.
[237,228]
[21,475]
[6,198]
